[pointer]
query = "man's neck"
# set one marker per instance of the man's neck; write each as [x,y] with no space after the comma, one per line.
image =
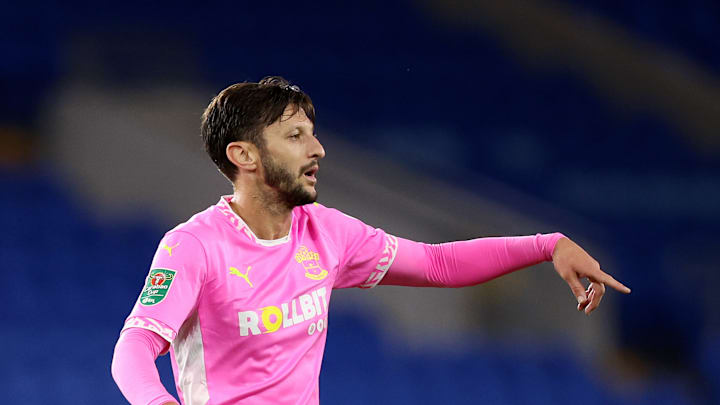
[266,217]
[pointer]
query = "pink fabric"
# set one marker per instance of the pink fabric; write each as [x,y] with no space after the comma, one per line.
[246,317]
[133,367]
[465,263]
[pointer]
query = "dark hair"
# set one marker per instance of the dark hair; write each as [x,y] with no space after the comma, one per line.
[242,111]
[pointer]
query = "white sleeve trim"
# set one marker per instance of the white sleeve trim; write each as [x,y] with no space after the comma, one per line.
[150,324]
[386,260]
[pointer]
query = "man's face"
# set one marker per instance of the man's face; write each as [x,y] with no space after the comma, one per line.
[290,158]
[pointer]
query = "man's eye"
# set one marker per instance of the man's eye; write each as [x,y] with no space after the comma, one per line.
[295,136]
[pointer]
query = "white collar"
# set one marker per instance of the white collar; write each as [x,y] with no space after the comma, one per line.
[237,222]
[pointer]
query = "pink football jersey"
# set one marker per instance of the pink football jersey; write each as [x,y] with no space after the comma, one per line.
[246,317]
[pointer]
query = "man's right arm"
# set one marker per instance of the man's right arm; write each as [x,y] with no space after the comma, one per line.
[169,295]
[133,367]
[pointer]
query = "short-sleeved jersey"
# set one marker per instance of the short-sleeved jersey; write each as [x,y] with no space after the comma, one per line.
[246,317]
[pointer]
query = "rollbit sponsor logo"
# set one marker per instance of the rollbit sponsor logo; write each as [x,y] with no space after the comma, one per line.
[301,309]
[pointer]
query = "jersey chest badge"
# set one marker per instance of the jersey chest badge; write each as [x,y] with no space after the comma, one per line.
[310,262]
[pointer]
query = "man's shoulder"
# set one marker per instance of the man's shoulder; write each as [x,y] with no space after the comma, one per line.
[327,217]
[199,225]
[320,212]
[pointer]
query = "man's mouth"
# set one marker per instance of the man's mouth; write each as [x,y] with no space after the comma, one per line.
[310,173]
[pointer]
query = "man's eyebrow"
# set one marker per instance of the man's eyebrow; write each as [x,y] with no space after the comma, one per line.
[310,128]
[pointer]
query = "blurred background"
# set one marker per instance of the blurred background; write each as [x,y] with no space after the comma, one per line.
[442,120]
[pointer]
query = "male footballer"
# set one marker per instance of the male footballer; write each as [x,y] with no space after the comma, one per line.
[239,294]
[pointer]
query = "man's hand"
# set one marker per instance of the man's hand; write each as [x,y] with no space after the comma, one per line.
[572,264]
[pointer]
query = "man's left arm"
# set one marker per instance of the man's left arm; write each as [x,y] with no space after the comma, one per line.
[466,263]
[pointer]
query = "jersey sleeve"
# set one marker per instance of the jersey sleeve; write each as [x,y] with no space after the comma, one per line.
[366,252]
[172,287]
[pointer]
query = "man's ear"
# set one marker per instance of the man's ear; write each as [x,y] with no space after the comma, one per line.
[244,155]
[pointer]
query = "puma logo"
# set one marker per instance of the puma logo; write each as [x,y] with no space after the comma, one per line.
[170,248]
[236,272]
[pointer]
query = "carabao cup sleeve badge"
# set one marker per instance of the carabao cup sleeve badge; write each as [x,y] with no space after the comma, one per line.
[157,286]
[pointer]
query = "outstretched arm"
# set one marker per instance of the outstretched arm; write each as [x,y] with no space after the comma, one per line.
[465,263]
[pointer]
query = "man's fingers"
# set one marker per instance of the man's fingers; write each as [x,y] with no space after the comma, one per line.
[581,307]
[598,290]
[590,296]
[577,289]
[609,280]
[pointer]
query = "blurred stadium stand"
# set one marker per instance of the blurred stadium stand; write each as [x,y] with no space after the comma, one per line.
[97,104]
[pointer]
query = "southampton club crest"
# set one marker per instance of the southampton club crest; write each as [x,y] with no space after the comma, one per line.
[311,263]
[157,286]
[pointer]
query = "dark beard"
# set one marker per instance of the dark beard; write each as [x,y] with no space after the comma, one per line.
[290,191]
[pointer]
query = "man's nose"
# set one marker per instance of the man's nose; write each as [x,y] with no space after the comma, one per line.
[316,149]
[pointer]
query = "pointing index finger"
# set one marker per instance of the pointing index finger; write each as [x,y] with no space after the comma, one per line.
[609,280]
